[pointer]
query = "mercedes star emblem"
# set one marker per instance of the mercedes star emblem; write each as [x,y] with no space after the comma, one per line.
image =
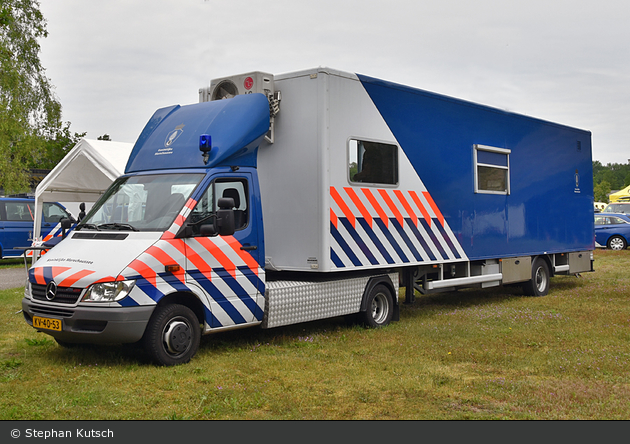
[51,290]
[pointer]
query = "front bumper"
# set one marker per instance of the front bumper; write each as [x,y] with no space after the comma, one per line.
[94,325]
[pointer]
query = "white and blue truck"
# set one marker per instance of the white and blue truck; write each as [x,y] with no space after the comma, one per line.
[285,199]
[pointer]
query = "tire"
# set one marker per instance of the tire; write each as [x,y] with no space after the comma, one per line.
[379,307]
[172,336]
[538,285]
[617,243]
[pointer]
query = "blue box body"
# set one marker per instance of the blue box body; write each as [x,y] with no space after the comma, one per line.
[550,205]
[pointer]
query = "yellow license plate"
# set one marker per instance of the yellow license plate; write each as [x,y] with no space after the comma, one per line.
[47,323]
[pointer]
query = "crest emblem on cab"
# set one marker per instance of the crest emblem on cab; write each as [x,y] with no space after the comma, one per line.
[173,135]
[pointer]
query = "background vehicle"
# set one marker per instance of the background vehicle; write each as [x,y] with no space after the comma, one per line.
[617,207]
[16,223]
[612,230]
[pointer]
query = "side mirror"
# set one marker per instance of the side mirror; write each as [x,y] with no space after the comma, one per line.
[66,224]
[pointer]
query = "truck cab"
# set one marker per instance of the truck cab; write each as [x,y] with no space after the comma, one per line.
[175,246]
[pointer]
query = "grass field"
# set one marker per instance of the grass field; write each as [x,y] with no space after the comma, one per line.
[473,354]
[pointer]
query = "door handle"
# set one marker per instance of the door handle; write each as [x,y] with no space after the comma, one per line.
[249,247]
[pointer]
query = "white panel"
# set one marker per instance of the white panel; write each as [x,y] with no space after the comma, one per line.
[289,176]
[291,302]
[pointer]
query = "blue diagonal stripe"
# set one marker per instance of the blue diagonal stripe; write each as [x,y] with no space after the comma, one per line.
[365,249]
[218,297]
[344,246]
[392,241]
[237,289]
[253,278]
[446,238]
[406,240]
[48,276]
[434,239]
[335,259]
[422,241]
[377,242]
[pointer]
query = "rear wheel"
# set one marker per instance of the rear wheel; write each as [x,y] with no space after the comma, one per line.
[379,308]
[617,243]
[539,283]
[173,334]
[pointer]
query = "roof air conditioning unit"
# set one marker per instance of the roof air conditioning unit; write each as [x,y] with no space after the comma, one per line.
[248,83]
[228,87]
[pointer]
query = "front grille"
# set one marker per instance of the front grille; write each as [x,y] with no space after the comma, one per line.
[46,310]
[65,295]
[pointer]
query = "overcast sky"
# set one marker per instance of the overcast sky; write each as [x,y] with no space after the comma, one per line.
[114,62]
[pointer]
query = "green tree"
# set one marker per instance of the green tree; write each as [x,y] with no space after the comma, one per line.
[54,149]
[30,115]
[601,191]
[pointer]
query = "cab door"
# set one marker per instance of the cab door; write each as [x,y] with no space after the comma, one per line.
[227,267]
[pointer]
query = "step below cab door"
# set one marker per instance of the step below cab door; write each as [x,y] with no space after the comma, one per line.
[227,267]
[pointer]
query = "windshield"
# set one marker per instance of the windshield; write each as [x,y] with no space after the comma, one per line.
[141,203]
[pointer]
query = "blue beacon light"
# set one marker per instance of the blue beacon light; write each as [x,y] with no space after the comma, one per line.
[205,145]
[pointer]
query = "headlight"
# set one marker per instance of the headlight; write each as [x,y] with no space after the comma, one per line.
[108,291]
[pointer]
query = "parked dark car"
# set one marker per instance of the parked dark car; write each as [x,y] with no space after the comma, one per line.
[16,223]
[612,230]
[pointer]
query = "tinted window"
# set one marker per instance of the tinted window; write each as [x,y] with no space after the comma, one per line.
[203,213]
[373,162]
[492,169]
[19,211]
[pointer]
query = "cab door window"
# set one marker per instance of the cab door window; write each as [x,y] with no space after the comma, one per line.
[205,210]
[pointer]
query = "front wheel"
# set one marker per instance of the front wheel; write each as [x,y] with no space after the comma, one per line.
[379,308]
[617,243]
[173,334]
[538,285]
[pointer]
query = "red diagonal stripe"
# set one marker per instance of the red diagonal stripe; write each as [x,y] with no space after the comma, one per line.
[39,276]
[73,278]
[420,206]
[392,206]
[197,261]
[165,259]
[145,271]
[342,205]
[377,206]
[190,203]
[218,254]
[108,279]
[435,208]
[333,218]
[357,202]
[56,271]
[406,206]
[251,263]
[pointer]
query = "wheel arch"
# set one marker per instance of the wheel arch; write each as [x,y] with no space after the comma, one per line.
[187,299]
[386,281]
[547,260]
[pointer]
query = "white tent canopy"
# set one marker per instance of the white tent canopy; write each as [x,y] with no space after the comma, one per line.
[82,175]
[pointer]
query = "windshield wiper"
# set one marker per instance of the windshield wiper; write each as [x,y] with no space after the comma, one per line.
[87,227]
[117,226]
